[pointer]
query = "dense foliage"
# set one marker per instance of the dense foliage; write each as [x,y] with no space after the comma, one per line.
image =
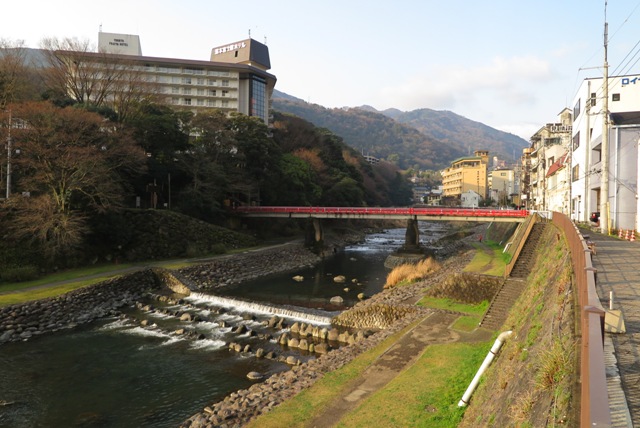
[77,162]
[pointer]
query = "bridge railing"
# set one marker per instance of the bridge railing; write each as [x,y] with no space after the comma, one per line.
[409,211]
[594,405]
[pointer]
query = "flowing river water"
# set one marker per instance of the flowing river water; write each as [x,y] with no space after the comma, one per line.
[118,373]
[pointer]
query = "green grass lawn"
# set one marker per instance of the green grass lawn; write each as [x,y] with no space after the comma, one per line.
[488,260]
[426,394]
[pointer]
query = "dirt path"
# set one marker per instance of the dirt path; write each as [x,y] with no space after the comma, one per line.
[433,329]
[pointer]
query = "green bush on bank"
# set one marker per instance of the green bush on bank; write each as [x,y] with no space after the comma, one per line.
[19,274]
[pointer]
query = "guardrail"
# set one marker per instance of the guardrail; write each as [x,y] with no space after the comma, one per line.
[594,401]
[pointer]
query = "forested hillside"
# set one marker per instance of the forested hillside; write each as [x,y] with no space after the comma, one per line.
[420,139]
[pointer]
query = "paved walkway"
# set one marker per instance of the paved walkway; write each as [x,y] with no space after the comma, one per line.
[617,262]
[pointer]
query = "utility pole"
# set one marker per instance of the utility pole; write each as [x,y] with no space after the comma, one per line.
[604,180]
[9,158]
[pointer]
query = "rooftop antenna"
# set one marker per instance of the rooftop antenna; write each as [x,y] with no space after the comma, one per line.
[265,40]
[249,32]
[100,29]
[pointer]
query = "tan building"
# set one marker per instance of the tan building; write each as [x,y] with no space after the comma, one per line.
[502,185]
[468,173]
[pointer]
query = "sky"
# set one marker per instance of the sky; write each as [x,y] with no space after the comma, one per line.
[510,64]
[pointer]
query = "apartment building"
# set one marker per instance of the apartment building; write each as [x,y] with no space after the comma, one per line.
[548,171]
[467,173]
[502,185]
[235,79]
[587,162]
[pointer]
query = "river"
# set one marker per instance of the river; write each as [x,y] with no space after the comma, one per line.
[119,373]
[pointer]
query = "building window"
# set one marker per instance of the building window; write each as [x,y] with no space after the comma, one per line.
[225,93]
[212,92]
[576,140]
[615,97]
[200,91]
[592,100]
[187,91]
[200,81]
[576,109]
[258,98]
[211,103]
[175,90]
[200,102]
[596,154]
[186,80]
[187,101]
[225,103]
[575,173]
[211,82]
[225,83]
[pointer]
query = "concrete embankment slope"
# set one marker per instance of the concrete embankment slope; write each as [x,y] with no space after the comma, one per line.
[534,381]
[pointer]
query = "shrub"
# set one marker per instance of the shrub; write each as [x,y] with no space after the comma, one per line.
[20,274]
[409,272]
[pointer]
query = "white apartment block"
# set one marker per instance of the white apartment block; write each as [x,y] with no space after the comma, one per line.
[587,162]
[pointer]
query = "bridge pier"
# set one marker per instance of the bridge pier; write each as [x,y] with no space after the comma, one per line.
[314,237]
[412,236]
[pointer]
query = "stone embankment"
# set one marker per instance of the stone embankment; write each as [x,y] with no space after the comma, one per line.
[22,322]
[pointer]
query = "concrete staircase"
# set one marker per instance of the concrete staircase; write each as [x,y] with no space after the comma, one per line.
[513,286]
[502,303]
[525,261]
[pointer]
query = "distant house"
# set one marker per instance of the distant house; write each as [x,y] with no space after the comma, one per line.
[470,199]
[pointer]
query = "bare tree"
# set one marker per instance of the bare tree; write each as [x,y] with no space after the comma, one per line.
[15,73]
[71,162]
[96,78]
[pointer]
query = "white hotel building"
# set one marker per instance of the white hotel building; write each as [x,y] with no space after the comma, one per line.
[586,153]
[234,80]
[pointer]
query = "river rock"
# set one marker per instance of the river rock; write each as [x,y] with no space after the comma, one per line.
[336,300]
[254,376]
[298,278]
[185,317]
[295,328]
[339,279]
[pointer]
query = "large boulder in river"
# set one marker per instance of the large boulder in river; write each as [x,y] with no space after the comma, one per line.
[337,300]
[254,376]
[339,279]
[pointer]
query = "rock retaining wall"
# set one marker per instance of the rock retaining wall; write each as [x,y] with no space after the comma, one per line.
[21,322]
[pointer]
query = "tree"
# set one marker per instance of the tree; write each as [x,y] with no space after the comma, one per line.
[16,77]
[74,69]
[71,164]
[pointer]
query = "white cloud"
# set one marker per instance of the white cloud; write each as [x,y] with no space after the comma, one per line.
[450,87]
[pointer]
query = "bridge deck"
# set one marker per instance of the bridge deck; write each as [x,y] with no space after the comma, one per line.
[431,214]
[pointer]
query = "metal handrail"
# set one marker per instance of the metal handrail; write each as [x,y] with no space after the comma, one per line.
[594,401]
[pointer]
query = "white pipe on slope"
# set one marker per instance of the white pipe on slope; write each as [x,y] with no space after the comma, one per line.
[485,364]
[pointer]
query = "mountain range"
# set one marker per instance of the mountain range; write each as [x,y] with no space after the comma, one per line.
[421,139]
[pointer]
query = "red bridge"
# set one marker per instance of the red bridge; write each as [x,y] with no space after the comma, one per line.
[408,213]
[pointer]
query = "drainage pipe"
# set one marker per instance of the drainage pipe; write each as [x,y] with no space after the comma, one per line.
[485,364]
